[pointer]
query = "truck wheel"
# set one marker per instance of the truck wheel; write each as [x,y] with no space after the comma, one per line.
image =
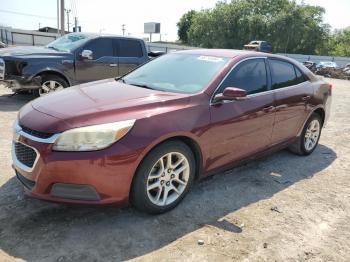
[50,84]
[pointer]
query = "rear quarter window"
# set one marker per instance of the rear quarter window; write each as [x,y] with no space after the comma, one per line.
[301,78]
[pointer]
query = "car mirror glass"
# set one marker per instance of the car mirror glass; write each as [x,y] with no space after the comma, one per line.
[87,54]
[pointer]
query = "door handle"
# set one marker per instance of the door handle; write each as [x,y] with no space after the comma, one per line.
[306,98]
[113,65]
[268,109]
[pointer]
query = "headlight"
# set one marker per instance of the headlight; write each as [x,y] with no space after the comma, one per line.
[92,138]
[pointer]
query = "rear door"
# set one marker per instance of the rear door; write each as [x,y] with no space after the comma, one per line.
[241,128]
[130,54]
[293,93]
[104,63]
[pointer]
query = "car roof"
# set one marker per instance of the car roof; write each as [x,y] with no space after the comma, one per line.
[230,53]
[95,35]
[242,54]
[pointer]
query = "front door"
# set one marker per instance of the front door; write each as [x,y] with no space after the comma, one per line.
[104,63]
[243,127]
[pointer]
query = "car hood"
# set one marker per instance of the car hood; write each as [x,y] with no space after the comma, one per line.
[107,101]
[20,51]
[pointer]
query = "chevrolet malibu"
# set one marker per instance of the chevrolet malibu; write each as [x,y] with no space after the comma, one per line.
[147,137]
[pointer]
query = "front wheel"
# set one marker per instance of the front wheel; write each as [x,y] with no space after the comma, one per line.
[308,140]
[50,84]
[163,178]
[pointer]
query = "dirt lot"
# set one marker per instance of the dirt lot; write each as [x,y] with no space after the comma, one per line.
[280,208]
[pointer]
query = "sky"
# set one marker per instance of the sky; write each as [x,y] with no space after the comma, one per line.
[107,16]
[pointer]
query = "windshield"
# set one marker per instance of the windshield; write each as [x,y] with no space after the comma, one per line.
[181,73]
[68,42]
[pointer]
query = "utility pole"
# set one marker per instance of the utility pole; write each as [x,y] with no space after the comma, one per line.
[62,18]
[76,24]
[123,29]
[68,11]
[58,16]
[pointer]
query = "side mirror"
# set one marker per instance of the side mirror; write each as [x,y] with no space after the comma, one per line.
[230,94]
[87,54]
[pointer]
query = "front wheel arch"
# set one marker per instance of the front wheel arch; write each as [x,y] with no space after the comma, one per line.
[55,73]
[191,143]
[320,111]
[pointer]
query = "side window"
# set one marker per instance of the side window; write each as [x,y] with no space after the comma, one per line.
[100,47]
[249,75]
[300,77]
[283,74]
[129,48]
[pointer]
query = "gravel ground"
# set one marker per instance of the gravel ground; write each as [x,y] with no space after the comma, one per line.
[279,208]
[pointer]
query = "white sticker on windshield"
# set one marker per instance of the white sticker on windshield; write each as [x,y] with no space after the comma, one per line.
[211,59]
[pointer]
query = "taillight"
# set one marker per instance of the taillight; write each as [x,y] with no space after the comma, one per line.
[330,86]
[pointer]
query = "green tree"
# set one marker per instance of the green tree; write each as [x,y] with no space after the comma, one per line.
[290,27]
[339,43]
[184,25]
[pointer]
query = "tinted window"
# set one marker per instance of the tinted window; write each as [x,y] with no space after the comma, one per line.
[282,73]
[300,77]
[249,75]
[130,48]
[100,47]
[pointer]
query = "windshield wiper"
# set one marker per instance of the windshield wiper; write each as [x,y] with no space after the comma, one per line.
[120,78]
[141,85]
[54,48]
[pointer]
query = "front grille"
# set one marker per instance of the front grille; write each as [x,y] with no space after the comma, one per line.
[25,154]
[35,133]
[11,68]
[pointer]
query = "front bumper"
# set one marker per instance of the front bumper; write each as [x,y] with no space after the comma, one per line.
[11,77]
[20,83]
[95,178]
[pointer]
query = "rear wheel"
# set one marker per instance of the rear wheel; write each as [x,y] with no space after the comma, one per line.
[163,178]
[308,140]
[51,83]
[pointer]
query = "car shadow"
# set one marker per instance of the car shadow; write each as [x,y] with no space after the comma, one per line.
[38,231]
[13,102]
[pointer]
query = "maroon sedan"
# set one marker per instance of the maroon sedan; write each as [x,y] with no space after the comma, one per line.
[145,138]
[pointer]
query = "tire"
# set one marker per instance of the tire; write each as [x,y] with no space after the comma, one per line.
[150,173]
[301,146]
[46,79]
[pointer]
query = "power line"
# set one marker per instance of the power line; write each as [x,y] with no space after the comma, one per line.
[72,6]
[26,14]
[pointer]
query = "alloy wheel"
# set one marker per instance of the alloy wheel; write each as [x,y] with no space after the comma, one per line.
[49,87]
[312,134]
[168,179]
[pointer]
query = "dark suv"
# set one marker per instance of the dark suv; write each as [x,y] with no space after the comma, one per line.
[72,59]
